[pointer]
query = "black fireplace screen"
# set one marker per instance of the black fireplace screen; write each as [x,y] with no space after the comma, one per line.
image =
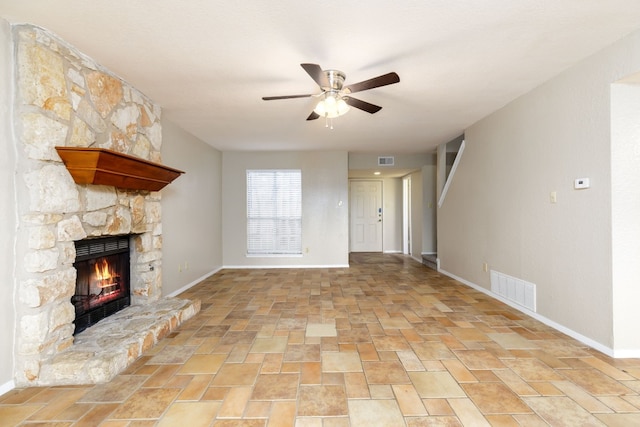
[102,283]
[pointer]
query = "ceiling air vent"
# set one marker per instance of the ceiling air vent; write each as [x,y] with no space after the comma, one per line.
[385,161]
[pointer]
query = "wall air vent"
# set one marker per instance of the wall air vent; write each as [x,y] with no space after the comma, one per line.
[516,290]
[385,161]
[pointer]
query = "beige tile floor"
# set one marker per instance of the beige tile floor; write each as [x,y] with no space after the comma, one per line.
[386,342]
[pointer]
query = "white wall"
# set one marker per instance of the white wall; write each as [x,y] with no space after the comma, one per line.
[7,211]
[392,215]
[498,207]
[325,219]
[191,210]
[625,208]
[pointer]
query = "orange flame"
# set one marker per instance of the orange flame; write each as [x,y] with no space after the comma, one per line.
[104,274]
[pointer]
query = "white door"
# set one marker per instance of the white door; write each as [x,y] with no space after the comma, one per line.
[366,216]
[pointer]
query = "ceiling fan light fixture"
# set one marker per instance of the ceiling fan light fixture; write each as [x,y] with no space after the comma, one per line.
[331,105]
[335,98]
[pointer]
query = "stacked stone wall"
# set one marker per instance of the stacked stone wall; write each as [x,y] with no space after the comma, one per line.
[63,98]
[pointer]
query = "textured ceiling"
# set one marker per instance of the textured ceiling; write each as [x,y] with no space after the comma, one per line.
[208,63]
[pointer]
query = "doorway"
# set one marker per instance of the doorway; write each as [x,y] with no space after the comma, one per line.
[365,216]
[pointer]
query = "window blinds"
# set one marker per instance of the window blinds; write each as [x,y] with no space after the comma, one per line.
[274,212]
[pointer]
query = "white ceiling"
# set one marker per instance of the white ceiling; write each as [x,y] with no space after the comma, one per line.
[208,63]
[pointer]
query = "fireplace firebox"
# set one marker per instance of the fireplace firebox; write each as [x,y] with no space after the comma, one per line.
[102,283]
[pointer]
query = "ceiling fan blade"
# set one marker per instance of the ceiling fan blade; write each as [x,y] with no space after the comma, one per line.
[383,80]
[316,73]
[362,105]
[313,116]
[271,98]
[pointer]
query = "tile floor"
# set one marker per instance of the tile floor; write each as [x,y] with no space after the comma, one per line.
[387,342]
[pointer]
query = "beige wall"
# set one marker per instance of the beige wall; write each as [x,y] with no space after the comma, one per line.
[7,211]
[367,161]
[429,203]
[417,218]
[191,210]
[498,207]
[325,223]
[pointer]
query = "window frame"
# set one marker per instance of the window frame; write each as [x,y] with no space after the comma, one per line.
[274,212]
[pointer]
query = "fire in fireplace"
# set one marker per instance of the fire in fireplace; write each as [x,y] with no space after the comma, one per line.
[102,283]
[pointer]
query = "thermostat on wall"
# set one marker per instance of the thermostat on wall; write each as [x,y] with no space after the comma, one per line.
[581,183]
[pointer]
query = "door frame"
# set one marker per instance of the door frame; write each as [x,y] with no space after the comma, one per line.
[406,215]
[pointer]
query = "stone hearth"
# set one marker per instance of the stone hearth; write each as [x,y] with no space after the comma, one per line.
[64,98]
[105,349]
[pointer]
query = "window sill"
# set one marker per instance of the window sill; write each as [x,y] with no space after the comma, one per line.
[273,255]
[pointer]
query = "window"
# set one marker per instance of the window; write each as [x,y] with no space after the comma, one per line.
[274,212]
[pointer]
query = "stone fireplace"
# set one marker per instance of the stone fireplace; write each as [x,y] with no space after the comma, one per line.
[63,98]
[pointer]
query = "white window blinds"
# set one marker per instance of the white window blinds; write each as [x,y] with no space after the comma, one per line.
[274,212]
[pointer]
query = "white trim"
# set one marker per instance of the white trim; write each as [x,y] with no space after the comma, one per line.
[274,255]
[406,214]
[192,284]
[416,259]
[391,252]
[240,267]
[429,253]
[626,354]
[632,353]
[7,387]
[450,177]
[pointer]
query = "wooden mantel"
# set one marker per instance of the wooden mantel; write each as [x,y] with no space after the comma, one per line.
[100,166]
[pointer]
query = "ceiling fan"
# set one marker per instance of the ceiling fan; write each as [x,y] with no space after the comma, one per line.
[335,98]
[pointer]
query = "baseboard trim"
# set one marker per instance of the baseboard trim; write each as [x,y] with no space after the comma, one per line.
[618,354]
[7,387]
[211,273]
[192,284]
[240,267]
